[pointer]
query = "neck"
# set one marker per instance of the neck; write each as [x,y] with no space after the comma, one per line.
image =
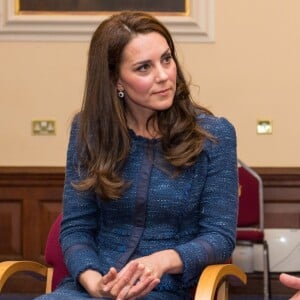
[139,126]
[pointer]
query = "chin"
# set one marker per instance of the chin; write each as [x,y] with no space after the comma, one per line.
[166,106]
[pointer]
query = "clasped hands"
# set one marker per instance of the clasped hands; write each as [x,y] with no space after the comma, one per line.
[135,280]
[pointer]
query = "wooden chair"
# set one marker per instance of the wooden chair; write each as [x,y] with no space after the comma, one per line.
[213,283]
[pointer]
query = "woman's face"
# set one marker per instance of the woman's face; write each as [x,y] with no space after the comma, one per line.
[147,74]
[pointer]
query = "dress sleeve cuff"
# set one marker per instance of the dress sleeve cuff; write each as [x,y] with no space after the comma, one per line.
[195,256]
[80,258]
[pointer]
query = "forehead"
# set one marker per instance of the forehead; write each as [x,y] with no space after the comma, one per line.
[144,47]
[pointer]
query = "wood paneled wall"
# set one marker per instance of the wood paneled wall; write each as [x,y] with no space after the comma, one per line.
[30,200]
[281,197]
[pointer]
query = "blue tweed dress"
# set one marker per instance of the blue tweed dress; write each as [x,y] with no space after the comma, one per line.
[194,213]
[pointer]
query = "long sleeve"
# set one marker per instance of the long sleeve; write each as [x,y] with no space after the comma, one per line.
[79,221]
[216,239]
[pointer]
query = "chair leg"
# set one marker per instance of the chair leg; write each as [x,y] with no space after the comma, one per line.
[223,291]
[267,282]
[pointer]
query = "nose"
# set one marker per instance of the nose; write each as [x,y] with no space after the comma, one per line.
[161,73]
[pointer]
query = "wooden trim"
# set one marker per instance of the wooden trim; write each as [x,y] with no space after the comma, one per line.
[31,176]
[22,176]
[53,176]
[280,175]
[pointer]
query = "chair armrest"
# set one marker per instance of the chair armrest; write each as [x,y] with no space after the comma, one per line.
[214,275]
[9,268]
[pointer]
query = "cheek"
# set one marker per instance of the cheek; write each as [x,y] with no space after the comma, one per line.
[139,85]
[173,74]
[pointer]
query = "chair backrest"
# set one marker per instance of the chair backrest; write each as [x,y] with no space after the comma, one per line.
[53,253]
[250,198]
[250,229]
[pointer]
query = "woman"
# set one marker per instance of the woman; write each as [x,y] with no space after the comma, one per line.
[150,194]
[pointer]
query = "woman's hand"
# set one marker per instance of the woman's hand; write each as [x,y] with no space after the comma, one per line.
[95,283]
[116,285]
[148,271]
[134,280]
[137,279]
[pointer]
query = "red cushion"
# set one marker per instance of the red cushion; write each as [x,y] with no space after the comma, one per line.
[250,235]
[248,199]
[53,253]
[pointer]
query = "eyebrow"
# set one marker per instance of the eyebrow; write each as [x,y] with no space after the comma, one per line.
[149,60]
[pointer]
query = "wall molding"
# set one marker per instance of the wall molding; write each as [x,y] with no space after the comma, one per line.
[196,26]
[18,176]
[31,176]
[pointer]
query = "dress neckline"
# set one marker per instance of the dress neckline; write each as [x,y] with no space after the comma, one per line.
[141,138]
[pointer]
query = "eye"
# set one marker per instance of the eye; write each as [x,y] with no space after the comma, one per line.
[143,68]
[167,58]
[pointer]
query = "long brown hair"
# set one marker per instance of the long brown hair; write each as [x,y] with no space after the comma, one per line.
[104,141]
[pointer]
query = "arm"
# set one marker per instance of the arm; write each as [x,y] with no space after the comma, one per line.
[79,217]
[219,199]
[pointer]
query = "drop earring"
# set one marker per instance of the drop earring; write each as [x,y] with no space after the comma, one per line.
[121,94]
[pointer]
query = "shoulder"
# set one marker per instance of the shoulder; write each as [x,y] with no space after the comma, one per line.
[76,120]
[218,127]
[74,135]
[75,126]
[221,149]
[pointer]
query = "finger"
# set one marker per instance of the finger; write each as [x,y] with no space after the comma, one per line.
[290,281]
[142,289]
[111,275]
[137,274]
[296,296]
[147,281]
[124,278]
[147,273]
[131,266]
[109,280]
[123,293]
[134,279]
[143,282]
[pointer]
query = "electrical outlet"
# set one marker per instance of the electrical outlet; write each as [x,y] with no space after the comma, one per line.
[264,127]
[43,127]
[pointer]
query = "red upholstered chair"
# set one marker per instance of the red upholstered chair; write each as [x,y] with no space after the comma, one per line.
[251,216]
[55,270]
[212,285]
[53,254]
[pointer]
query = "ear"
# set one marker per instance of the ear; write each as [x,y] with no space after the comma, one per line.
[120,86]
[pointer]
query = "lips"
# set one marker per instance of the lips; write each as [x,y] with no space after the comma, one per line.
[162,91]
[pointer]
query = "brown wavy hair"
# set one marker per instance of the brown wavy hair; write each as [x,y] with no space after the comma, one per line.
[104,141]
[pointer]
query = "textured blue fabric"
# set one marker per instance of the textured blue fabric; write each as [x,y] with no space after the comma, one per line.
[194,213]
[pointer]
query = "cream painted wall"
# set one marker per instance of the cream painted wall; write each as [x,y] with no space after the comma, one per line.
[251,72]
